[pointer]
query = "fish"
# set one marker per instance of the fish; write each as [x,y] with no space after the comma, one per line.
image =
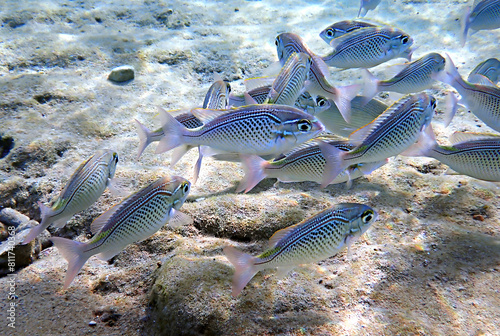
[369,47]
[391,133]
[317,83]
[258,94]
[473,154]
[303,163]
[83,188]
[485,73]
[314,239]
[342,27]
[485,15]
[482,100]
[216,98]
[415,77]
[367,5]
[362,113]
[135,218]
[260,129]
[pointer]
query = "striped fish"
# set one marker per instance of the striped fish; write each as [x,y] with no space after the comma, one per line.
[317,84]
[367,5]
[482,100]
[368,47]
[135,218]
[259,129]
[486,72]
[303,163]
[342,27]
[216,98]
[362,113]
[484,16]
[415,77]
[84,187]
[312,240]
[473,154]
[388,135]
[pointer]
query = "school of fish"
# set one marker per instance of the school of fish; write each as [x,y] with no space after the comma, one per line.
[298,126]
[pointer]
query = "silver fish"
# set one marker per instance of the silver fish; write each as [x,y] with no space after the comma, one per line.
[84,187]
[289,83]
[368,47]
[303,163]
[415,77]
[312,240]
[484,16]
[317,84]
[367,5]
[362,113]
[482,100]
[259,129]
[388,135]
[135,218]
[486,72]
[472,154]
[342,27]
[216,98]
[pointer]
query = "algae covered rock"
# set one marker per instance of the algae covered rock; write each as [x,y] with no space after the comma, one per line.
[122,73]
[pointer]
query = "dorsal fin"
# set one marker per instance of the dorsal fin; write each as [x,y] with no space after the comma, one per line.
[103,219]
[280,234]
[253,83]
[206,115]
[461,137]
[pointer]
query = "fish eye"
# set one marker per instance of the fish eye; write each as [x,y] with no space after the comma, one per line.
[304,125]
[405,39]
[115,157]
[277,41]
[185,188]
[330,32]
[321,102]
[433,103]
[367,216]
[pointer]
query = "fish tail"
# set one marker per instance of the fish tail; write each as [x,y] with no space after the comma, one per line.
[450,75]
[73,252]
[197,166]
[144,137]
[466,24]
[173,130]
[46,214]
[244,268]
[423,147]
[362,11]
[343,99]
[334,162]
[253,166]
[451,103]
[370,86]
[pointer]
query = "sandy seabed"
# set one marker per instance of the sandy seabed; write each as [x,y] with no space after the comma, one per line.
[428,266]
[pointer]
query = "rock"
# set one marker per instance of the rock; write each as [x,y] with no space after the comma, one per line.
[192,296]
[122,74]
[20,255]
[11,217]
[92,323]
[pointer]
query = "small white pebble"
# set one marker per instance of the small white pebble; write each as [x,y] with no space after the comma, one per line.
[92,323]
[121,74]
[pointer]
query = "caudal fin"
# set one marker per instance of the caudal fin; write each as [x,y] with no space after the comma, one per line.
[144,134]
[244,268]
[72,251]
[253,166]
[343,99]
[46,214]
[173,130]
[334,162]
[370,86]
